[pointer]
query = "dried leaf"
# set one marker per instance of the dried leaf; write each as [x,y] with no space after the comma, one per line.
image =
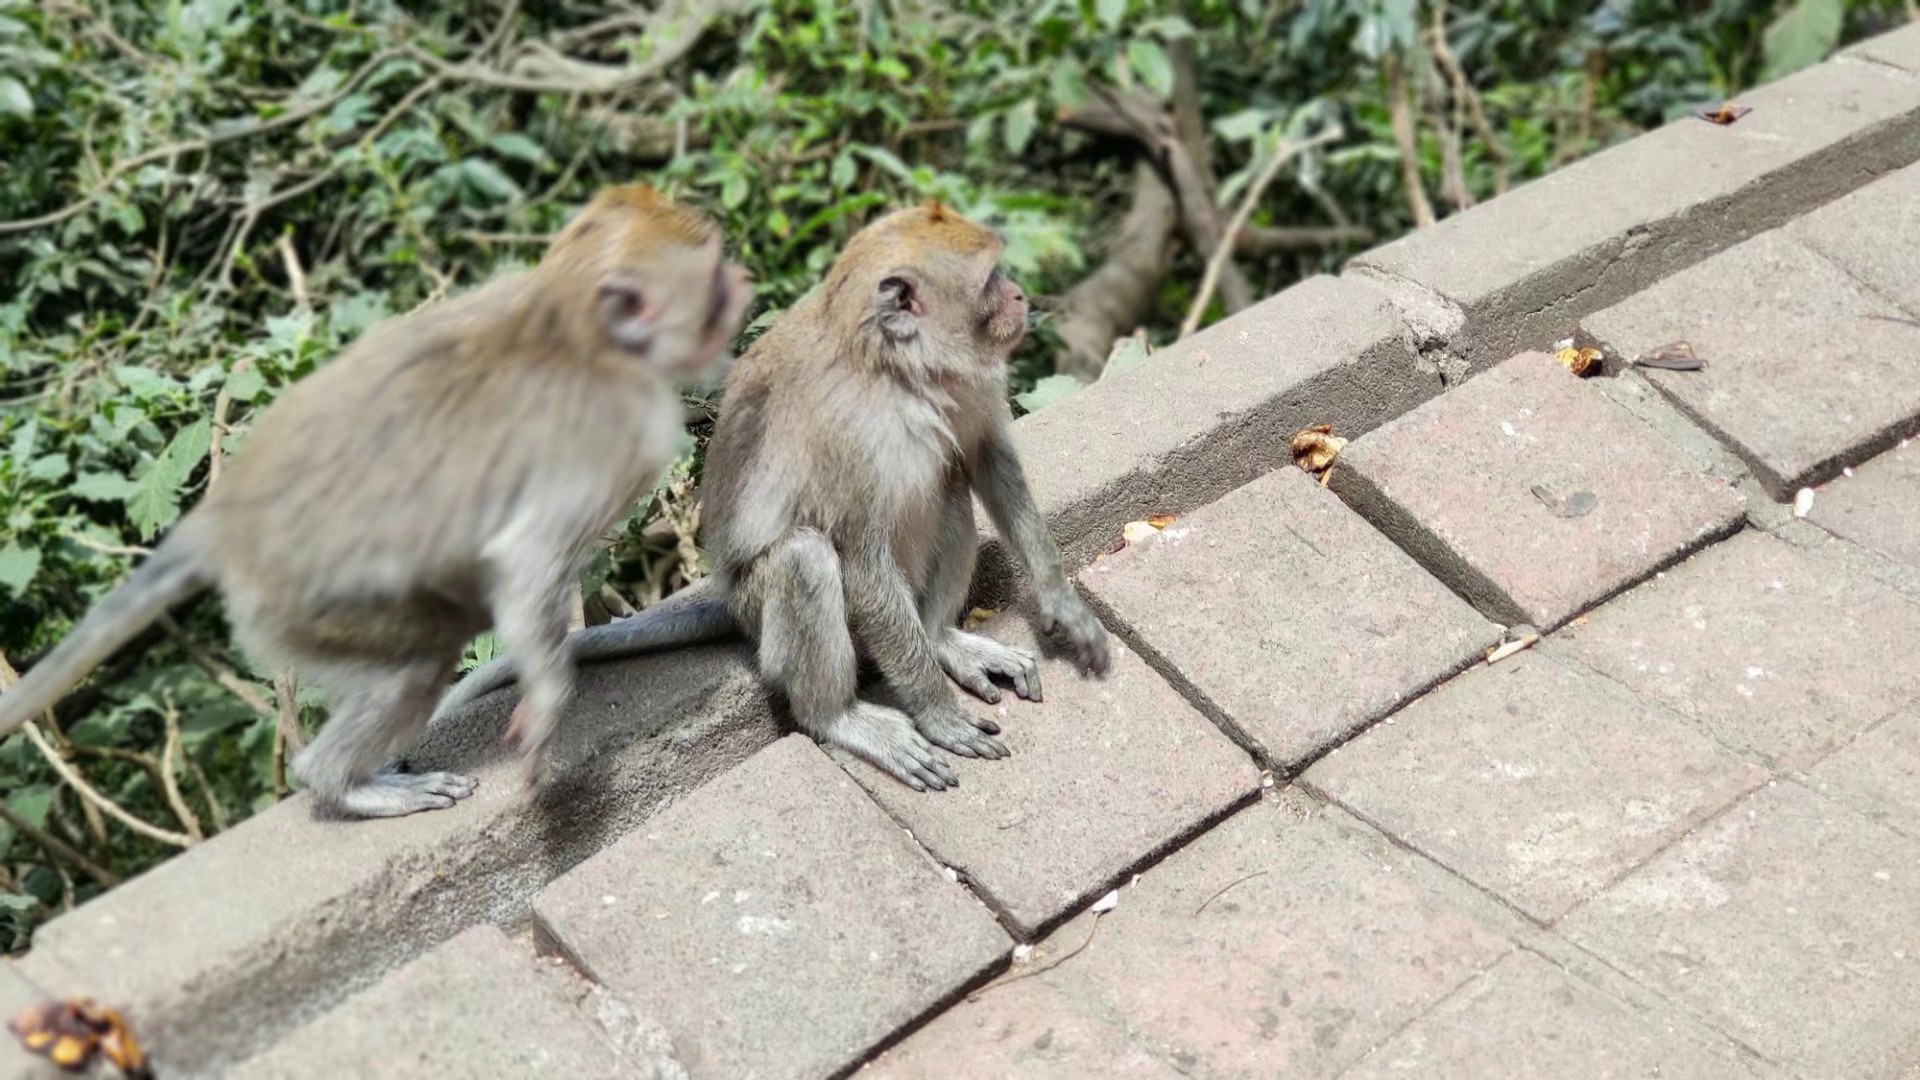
[1315,448]
[978,617]
[1725,114]
[72,1033]
[1584,362]
[1673,356]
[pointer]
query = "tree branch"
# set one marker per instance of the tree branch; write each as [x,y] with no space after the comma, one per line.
[1282,154]
[1113,298]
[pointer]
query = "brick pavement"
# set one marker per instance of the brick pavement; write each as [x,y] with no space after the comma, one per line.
[1304,828]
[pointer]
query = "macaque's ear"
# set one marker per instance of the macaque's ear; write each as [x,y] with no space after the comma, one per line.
[898,305]
[624,315]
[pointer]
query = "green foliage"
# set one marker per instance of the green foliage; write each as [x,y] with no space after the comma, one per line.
[203,200]
[1803,34]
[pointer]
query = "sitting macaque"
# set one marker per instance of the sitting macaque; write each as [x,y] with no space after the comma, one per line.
[447,474]
[839,503]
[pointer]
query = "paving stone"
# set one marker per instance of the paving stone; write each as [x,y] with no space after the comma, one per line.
[1466,483]
[1772,648]
[1878,507]
[1104,774]
[1540,780]
[475,1006]
[1290,620]
[16,993]
[1806,372]
[1870,233]
[1523,267]
[1789,924]
[1025,1029]
[1878,774]
[1288,941]
[1210,413]
[1896,48]
[220,948]
[799,924]
[1526,1019]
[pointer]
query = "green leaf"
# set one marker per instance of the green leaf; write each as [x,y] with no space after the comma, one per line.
[1243,125]
[1067,84]
[1168,28]
[1021,120]
[841,176]
[486,178]
[156,503]
[246,385]
[734,191]
[1110,12]
[357,312]
[1127,352]
[1803,35]
[14,97]
[48,467]
[1047,391]
[514,145]
[103,487]
[1150,62]
[143,383]
[17,566]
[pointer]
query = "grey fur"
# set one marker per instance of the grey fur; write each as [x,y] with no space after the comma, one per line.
[838,502]
[447,473]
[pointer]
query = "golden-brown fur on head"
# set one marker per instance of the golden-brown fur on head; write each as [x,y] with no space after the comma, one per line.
[637,276]
[923,284]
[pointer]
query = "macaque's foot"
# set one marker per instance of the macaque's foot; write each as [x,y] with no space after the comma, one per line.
[399,794]
[973,661]
[953,728]
[886,739]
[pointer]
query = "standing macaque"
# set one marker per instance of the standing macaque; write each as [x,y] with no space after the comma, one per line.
[839,503]
[448,473]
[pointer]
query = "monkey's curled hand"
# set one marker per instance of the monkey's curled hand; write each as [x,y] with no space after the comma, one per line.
[1063,612]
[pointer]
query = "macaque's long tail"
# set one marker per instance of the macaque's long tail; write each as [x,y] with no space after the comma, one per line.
[176,570]
[691,616]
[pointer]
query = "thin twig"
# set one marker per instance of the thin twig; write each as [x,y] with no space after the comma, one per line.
[57,847]
[222,401]
[1031,972]
[1282,154]
[287,737]
[296,276]
[169,785]
[1465,94]
[1400,108]
[1228,886]
[85,790]
[110,549]
[248,693]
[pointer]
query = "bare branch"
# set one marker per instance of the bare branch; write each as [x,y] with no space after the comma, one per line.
[1282,154]
[58,848]
[1256,240]
[114,810]
[1114,297]
[1400,107]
